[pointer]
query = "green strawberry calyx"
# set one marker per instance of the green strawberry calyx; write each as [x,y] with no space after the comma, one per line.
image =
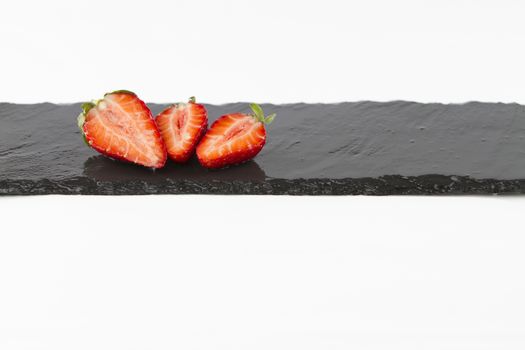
[258,114]
[182,105]
[120,92]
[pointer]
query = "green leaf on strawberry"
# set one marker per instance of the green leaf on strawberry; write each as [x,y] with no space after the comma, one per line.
[121,92]
[258,114]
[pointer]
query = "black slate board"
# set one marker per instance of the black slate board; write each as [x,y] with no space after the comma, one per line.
[313,149]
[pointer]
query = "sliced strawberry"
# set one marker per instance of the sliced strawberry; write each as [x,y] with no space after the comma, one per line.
[181,126]
[234,138]
[121,126]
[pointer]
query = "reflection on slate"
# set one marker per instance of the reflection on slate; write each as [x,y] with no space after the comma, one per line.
[348,148]
[101,168]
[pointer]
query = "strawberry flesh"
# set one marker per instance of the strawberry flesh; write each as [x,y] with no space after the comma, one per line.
[181,126]
[232,139]
[121,126]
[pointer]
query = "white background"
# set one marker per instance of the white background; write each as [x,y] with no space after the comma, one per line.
[213,272]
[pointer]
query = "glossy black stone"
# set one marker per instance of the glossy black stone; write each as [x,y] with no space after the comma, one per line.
[367,148]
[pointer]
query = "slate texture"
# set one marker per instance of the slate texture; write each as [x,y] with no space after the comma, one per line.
[371,148]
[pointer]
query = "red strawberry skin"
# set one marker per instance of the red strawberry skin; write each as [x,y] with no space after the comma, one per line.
[232,139]
[121,126]
[181,126]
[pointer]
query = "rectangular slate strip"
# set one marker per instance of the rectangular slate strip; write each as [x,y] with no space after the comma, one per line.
[366,148]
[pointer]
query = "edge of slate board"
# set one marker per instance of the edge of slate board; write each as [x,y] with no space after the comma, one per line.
[385,185]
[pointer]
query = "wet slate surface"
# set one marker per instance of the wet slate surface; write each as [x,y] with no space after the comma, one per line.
[313,149]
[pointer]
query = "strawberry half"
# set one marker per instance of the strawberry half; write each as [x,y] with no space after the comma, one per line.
[121,126]
[181,126]
[234,138]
